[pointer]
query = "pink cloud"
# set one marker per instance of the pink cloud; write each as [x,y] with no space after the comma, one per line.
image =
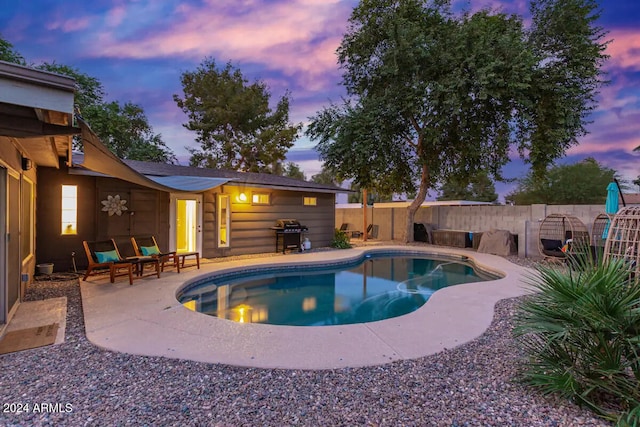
[611,131]
[70,25]
[297,38]
[116,16]
[624,49]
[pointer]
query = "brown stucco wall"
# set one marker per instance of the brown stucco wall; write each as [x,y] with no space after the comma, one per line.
[147,214]
[51,245]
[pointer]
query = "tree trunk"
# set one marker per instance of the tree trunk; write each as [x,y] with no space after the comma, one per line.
[413,207]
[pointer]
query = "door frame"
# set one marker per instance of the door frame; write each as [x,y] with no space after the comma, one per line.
[173,197]
[11,272]
[4,279]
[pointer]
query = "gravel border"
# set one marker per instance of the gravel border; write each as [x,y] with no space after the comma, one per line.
[471,385]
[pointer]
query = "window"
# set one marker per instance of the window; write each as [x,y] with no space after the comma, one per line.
[261,198]
[69,209]
[224,221]
[27,219]
[310,201]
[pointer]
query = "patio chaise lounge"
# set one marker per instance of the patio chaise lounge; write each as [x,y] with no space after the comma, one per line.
[148,246]
[103,256]
[351,233]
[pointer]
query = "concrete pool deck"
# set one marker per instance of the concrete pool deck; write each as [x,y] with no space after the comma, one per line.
[147,319]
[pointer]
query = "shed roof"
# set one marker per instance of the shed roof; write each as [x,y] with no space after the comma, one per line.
[238,178]
[99,160]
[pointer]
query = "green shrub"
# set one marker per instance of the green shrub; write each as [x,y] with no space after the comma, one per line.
[340,240]
[630,419]
[581,333]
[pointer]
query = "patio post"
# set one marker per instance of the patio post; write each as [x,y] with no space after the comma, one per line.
[364,214]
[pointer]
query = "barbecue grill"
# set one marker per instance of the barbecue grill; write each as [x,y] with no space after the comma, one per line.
[290,232]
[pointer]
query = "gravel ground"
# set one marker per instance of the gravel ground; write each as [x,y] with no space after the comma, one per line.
[471,385]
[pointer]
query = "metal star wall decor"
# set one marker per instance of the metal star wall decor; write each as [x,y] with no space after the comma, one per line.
[114,205]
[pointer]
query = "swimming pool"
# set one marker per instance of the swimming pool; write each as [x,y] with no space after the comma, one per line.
[374,287]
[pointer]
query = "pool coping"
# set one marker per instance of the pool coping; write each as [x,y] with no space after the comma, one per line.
[147,319]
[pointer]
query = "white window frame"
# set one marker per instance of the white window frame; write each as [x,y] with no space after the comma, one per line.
[224,219]
[74,231]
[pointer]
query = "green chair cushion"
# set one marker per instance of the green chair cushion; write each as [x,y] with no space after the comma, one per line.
[108,256]
[149,250]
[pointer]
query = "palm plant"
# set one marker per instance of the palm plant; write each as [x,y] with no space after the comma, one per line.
[581,334]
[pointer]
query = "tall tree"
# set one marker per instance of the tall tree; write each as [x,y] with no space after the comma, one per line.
[290,170]
[126,131]
[326,176]
[584,182]
[235,126]
[434,96]
[9,54]
[479,188]
[569,50]
[89,90]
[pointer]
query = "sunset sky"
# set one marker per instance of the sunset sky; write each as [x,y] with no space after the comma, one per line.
[138,50]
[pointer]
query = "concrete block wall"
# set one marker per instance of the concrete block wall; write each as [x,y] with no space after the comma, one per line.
[524,221]
[353,216]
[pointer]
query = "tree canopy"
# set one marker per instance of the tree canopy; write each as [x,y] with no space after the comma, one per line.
[584,182]
[372,196]
[89,90]
[326,176]
[435,97]
[235,126]
[479,188]
[9,54]
[124,129]
[290,170]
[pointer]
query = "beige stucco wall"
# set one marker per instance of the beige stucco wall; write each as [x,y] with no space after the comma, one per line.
[524,221]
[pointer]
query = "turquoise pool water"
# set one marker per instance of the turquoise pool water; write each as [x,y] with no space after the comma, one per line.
[376,287]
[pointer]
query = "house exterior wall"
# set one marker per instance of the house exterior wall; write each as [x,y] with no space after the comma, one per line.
[31,101]
[17,266]
[51,245]
[147,214]
[251,224]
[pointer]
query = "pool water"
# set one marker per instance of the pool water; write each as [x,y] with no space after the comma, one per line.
[376,287]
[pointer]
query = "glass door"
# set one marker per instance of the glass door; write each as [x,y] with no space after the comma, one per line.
[187,224]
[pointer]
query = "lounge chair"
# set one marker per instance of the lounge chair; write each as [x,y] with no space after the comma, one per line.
[103,256]
[172,258]
[372,231]
[352,233]
[148,246]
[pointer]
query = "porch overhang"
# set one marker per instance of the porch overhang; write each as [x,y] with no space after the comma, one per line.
[99,160]
[36,113]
